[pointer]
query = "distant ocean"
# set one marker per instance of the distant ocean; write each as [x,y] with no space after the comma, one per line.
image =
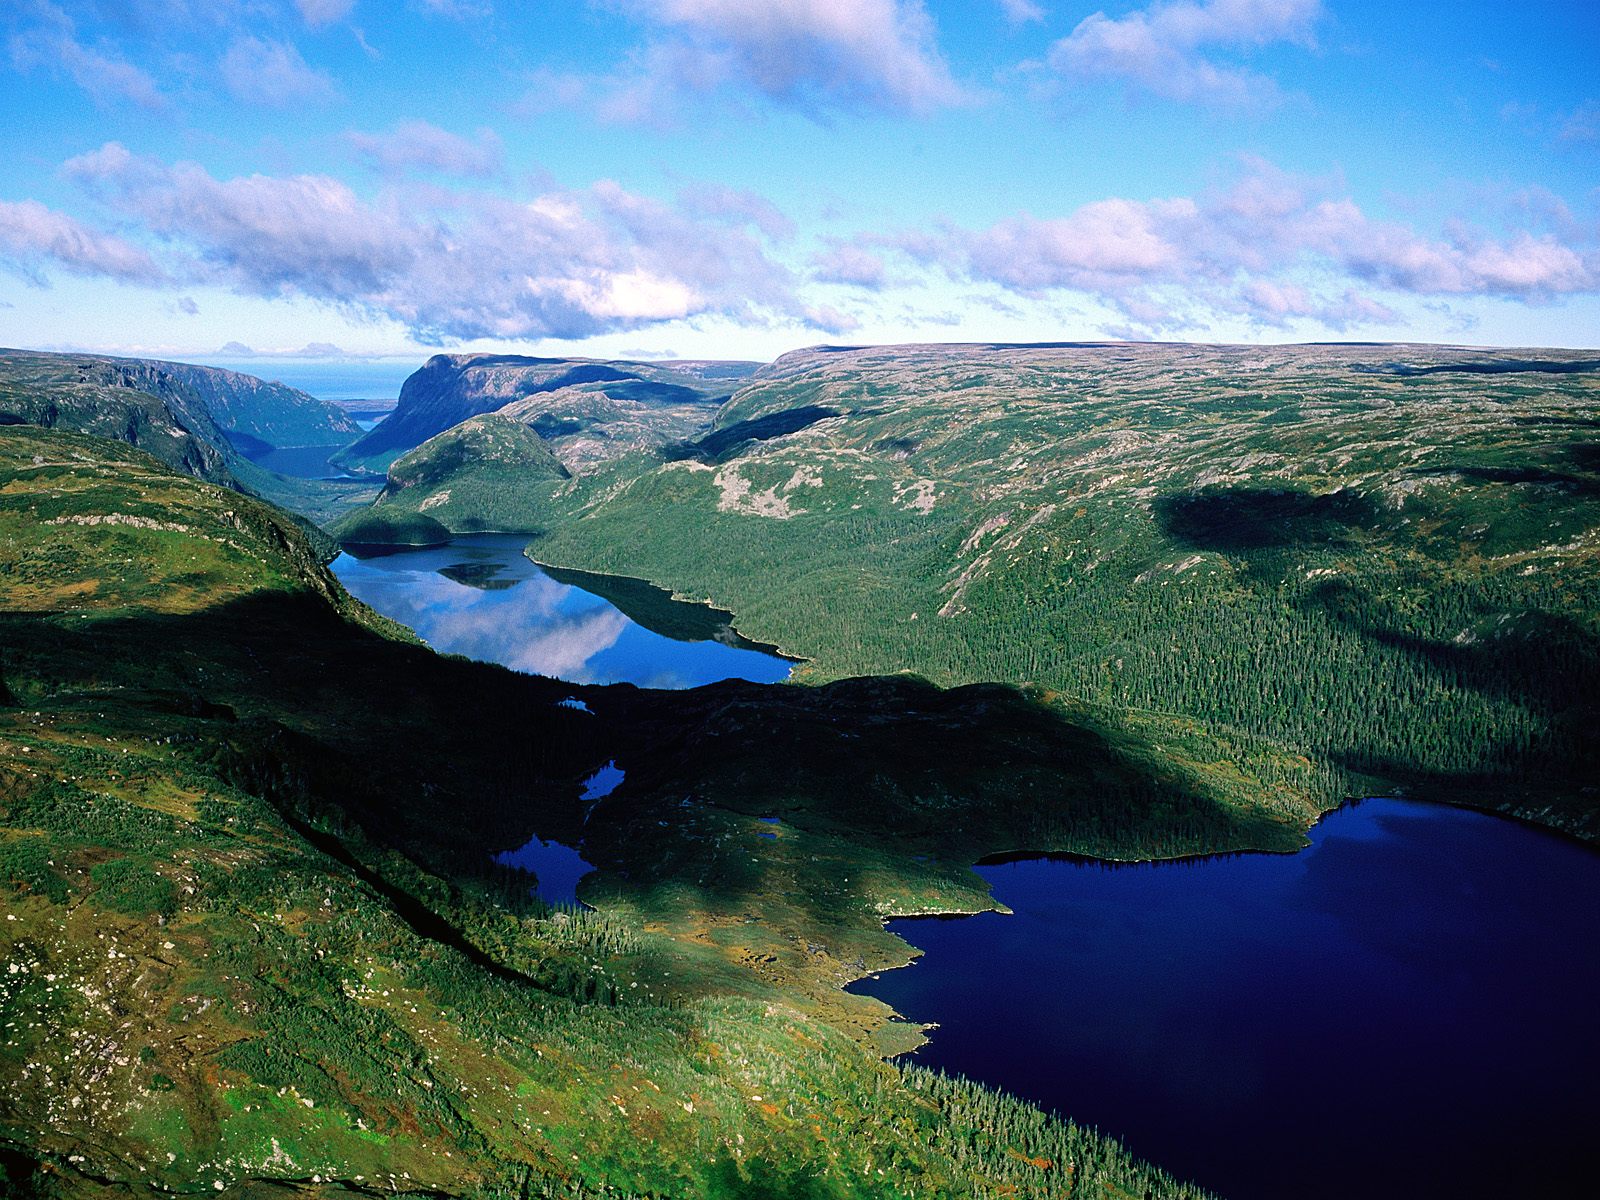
[326,380]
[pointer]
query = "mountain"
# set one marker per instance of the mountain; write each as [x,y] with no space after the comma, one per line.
[257,943]
[254,411]
[489,473]
[452,387]
[131,401]
[1385,557]
[199,420]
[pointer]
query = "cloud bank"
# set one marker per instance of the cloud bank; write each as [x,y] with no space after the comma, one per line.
[446,264]
[1242,248]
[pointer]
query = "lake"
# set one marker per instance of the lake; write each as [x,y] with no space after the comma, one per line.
[482,597]
[1408,1008]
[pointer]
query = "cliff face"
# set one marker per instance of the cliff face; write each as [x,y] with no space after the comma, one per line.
[269,412]
[127,400]
[450,388]
[193,419]
[215,406]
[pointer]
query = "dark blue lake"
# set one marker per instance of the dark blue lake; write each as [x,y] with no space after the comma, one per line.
[560,868]
[482,597]
[1408,1008]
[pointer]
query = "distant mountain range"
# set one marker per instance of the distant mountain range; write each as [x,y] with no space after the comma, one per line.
[203,421]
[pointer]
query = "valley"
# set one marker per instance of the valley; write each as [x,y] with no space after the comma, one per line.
[1127,602]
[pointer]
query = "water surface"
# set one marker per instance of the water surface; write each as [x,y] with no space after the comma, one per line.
[327,379]
[1409,1008]
[480,596]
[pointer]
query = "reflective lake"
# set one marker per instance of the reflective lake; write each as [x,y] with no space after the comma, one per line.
[481,596]
[559,868]
[1409,1008]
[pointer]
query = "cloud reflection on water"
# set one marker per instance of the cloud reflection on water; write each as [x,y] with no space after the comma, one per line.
[481,597]
[526,627]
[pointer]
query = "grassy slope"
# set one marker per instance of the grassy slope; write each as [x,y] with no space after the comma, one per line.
[487,473]
[253,935]
[1395,573]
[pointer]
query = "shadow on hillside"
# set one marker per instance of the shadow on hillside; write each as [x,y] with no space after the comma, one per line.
[320,715]
[722,444]
[1240,519]
[381,744]
[1484,639]
[1501,366]
[1579,484]
[1545,662]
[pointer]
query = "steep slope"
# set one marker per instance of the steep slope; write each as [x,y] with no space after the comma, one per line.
[1386,556]
[170,410]
[450,388]
[253,411]
[263,411]
[489,473]
[256,943]
[131,401]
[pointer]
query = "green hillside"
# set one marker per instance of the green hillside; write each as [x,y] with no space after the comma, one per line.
[191,418]
[487,473]
[1384,556]
[257,945]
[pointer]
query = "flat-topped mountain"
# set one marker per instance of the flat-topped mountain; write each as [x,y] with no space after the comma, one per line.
[449,388]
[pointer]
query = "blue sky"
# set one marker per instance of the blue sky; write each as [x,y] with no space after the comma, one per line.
[741,177]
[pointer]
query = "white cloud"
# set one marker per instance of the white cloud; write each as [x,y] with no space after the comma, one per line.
[1166,47]
[317,13]
[272,73]
[1020,12]
[53,43]
[449,264]
[1582,124]
[418,145]
[718,202]
[816,55]
[32,236]
[852,265]
[460,10]
[1250,248]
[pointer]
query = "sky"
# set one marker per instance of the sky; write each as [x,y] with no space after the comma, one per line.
[222,179]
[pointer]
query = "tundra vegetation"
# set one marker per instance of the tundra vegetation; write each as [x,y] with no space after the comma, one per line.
[1133,602]
[255,939]
[1385,559]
